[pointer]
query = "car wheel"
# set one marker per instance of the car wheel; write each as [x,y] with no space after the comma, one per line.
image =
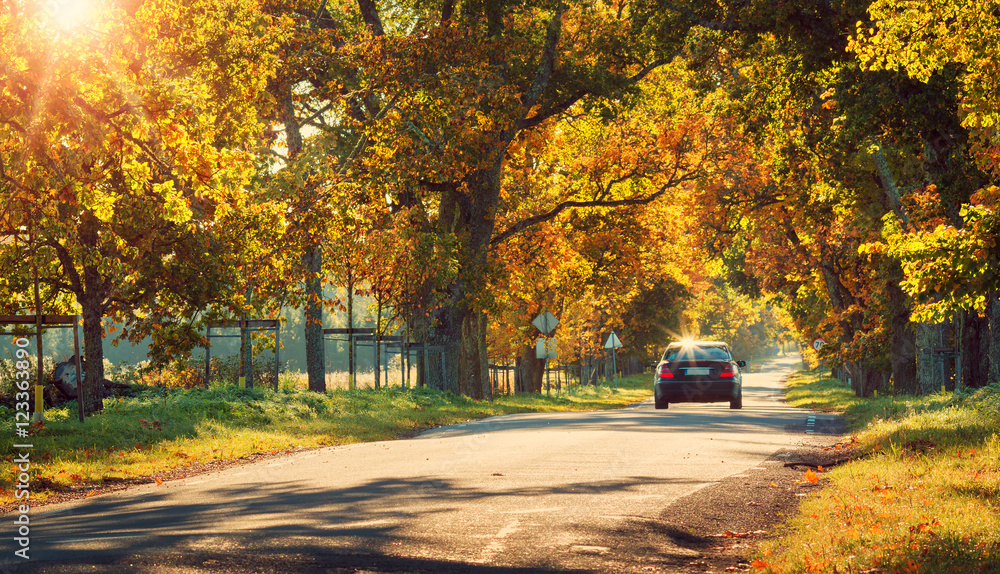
[661,404]
[737,403]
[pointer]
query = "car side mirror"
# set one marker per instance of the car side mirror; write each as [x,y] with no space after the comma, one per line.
[741,364]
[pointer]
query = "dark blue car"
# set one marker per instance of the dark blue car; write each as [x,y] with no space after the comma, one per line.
[698,372]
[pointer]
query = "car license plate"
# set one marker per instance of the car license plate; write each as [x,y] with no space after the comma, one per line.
[698,371]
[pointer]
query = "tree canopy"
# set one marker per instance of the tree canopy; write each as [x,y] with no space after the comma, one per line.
[648,166]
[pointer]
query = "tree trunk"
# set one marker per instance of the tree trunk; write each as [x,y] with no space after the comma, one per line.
[450,337]
[93,344]
[993,314]
[246,348]
[903,353]
[975,350]
[351,375]
[91,295]
[315,355]
[473,365]
[462,327]
[531,371]
[865,380]
[312,259]
[872,381]
[375,339]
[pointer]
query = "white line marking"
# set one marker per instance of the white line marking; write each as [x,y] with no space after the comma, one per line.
[497,544]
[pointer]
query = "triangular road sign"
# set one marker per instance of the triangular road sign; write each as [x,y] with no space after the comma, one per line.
[613,342]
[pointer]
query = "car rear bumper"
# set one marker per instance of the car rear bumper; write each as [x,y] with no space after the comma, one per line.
[704,391]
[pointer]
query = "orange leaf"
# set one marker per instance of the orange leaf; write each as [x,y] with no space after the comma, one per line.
[91,493]
[820,468]
[159,482]
[811,476]
[774,485]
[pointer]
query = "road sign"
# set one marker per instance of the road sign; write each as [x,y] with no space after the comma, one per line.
[613,342]
[818,344]
[545,348]
[545,322]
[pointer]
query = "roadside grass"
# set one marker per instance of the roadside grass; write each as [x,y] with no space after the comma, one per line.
[923,497]
[166,430]
[813,390]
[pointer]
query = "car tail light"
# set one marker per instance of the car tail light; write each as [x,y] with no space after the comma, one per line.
[727,371]
[665,372]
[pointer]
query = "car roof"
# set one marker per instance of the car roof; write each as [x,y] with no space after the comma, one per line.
[698,343]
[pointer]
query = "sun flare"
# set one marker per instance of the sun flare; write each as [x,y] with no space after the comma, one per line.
[69,15]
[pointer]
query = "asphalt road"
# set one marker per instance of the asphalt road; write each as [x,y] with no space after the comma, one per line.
[517,493]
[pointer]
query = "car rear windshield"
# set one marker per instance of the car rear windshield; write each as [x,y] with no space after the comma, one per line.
[696,353]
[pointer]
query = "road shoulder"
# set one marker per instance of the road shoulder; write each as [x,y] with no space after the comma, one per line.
[716,527]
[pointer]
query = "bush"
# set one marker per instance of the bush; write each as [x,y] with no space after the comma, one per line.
[8,368]
[227,371]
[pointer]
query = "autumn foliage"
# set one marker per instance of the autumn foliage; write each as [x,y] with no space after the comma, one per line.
[712,168]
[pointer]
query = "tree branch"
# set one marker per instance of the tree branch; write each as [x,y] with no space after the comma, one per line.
[546,63]
[575,97]
[561,207]
[369,12]
[710,24]
[66,260]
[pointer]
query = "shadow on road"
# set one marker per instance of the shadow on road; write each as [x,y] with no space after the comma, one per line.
[278,560]
[255,519]
[685,417]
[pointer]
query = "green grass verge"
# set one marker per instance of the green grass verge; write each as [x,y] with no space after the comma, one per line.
[925,497]
[167,429]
